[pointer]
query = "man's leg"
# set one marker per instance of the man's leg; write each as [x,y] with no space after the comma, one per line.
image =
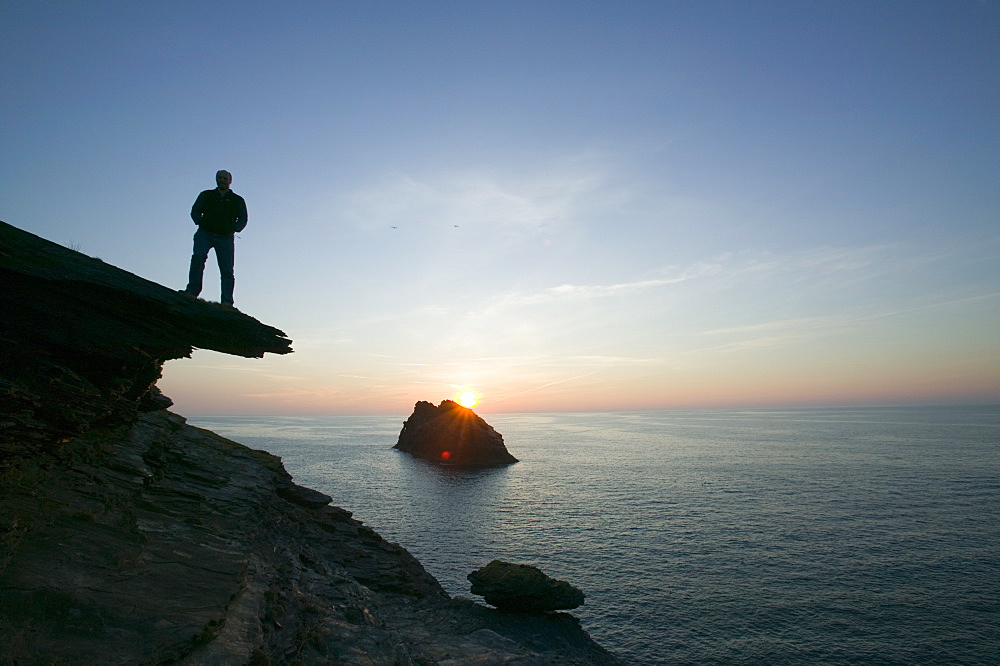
[202,244]
[225,253]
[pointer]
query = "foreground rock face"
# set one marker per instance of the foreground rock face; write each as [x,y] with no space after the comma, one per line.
[523,588]
[160,541]
[452,434]
[128,536]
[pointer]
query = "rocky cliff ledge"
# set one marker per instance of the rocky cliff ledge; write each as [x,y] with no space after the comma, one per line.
[128,536]
[83,342]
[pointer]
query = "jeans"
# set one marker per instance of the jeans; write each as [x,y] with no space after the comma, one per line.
[225,254]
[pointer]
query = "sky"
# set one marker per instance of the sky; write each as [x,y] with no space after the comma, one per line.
[557,205]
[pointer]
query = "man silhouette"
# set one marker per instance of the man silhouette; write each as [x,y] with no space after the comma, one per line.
[219,214]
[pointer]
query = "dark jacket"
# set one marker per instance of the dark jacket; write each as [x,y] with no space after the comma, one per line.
[217,214]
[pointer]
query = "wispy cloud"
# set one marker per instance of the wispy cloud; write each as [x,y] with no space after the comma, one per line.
[938,303]
[470,199]
[773,333]
[730,270]
[785,331]
[779,327]
[584,292]
[542,386]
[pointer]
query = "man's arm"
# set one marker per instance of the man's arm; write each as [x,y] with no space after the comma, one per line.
[241,219]
[198,208]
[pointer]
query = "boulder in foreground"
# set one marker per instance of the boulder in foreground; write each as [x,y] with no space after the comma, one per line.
[523,588]
[452,434]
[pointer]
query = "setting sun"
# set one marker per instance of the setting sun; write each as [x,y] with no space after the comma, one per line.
[468,399]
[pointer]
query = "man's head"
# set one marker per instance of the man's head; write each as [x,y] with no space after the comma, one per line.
[223,179]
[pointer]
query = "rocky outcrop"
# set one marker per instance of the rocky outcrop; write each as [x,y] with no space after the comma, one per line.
[453,435]
[523,588]
[160,542]
[83,342]
[128,536]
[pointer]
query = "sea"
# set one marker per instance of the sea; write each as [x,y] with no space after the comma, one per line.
[798,536]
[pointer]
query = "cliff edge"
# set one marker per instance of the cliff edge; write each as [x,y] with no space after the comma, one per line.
[128,536]
[83,342]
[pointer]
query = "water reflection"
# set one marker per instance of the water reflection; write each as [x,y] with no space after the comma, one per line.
[451,474]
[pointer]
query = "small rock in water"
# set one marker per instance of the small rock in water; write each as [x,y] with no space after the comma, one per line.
[523,588]
[452,434]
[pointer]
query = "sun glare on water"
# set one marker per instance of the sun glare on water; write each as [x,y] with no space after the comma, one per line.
[468,399]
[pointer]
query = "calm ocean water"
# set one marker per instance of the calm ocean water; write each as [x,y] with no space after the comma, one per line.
[798,536]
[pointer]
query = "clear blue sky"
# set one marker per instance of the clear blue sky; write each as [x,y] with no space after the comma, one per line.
[557,205]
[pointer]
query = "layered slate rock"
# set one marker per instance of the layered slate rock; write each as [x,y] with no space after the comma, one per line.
[82,343]
[523,588]
[454,435]
[163,543]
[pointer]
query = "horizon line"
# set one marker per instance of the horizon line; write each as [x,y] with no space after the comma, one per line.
[784,407]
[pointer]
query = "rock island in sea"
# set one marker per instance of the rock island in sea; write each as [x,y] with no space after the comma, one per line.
[453,435]
[129,536]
